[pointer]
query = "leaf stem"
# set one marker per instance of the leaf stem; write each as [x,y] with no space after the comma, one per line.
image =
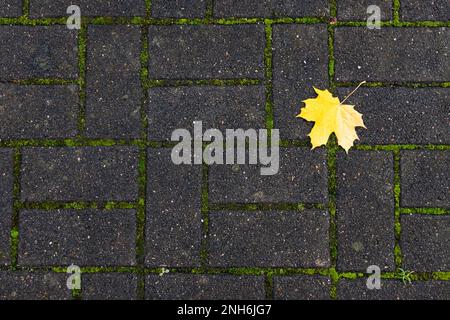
[351,93]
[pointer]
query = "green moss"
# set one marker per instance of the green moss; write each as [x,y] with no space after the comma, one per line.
[396,12]
[268,75]
[82,48]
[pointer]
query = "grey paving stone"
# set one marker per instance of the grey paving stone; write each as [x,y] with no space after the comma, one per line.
[113,87]
[217,107]
[415,10]
[402,115]
[79,237]
[301,288]
[206,52]
[109,286]
[392,54]
[300,61]
[38,112]
[6,203]
[204,287]
[20,285]
[365,210]
[58,8]
[10,8]
[178,8]
[302,177]
[425,242]
[38,52]
[174,220]
[270,8]
[351,10]
[269,239]
[75,174]
[393,290]
[425,178]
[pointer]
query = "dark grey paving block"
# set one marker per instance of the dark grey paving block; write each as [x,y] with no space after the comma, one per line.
[174,220]
[393,290]
[425,178]
[392,54]
[217,107]
[300,61]
[58,8]
[10,8]
[109,286]
[302,177]
[270,8]
[301,288]
[425,242]
[113,92]
[79,237]
[74,174]
[365,210]
[415,10]
[402,115]
[38,52]
[6,203]
[204,287]
[351,10]
[269,239]
[38,112]
[20,285]
[178,8]
[206,52]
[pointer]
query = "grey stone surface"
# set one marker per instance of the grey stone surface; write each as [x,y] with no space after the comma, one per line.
[270,8]
[300,61]
[416,10]
[178,8]
[206,52]
[302,177]
[58,8]
[204,287]
[425,242]
[269,239]
[20,285]
[113,92]
[82,238]
[38,112]
[395,115]
[365,210]
[6,204]
[74,174]
[301,288]
[174,220]
[217,107]
[351,10]
[38,52]
[10,8]
[392,54]
[109,286]
[425,178]
[393,290]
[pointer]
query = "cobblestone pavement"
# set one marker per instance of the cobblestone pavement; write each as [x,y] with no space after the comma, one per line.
[86,178]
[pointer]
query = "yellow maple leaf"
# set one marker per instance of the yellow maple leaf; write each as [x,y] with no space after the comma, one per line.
[330,115]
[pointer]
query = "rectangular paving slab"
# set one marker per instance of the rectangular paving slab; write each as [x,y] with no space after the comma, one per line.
[79,174]
[425,178]
[38,52]
[416,10]
[10,8]
[301,287]
[392,54]
[109,286]
[424,242]
[179,8]
[38,112]
[269,239]
[6,204]
[351,10]
[206,52]
[79,237]
[365,210]
[174,220]
[204,287]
